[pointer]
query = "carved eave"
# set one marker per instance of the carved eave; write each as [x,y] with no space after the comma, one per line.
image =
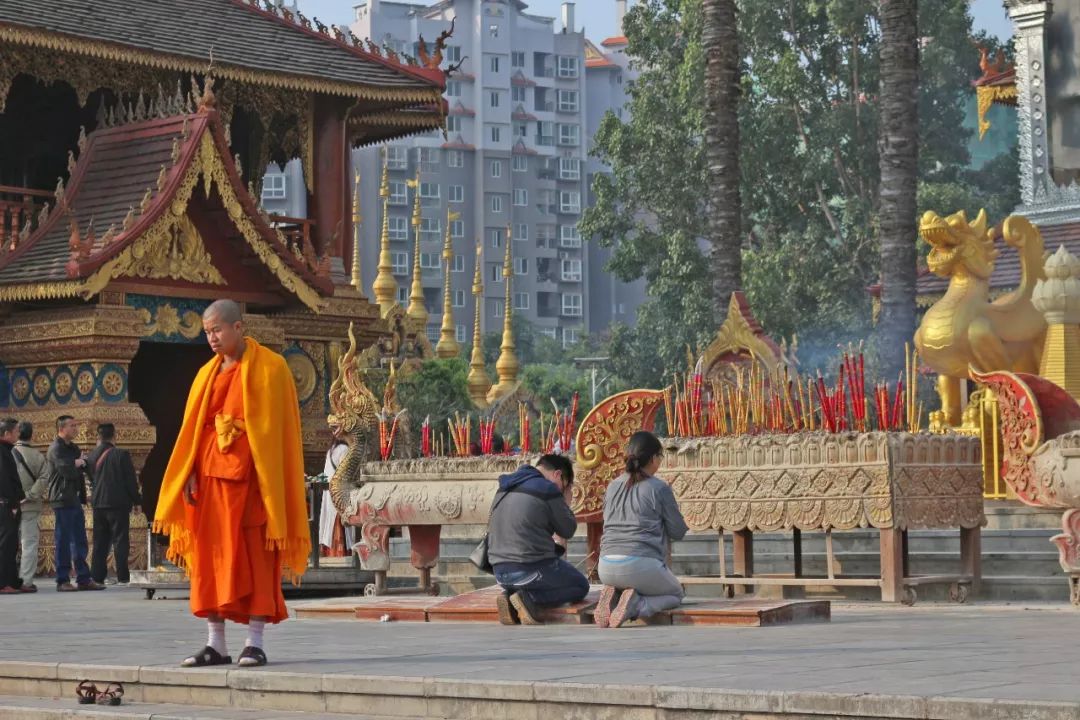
[368,127]
[129,193]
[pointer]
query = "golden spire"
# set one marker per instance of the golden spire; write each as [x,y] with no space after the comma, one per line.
[478,381]
[416,309]
[448,346]
[357,282]
[385,285]
[507,364]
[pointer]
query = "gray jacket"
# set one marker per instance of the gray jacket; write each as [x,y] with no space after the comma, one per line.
[639,519]
[528,509]
[33,474]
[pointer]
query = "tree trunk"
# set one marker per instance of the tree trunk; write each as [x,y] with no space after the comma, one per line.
[898,142]
[720,40]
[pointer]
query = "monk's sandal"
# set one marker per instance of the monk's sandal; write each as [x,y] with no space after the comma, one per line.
[205,657]
[251,657]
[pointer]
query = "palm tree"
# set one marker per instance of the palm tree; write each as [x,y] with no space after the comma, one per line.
[898,142]
[720,42]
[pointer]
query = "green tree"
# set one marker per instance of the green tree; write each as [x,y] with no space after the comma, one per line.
[436,390]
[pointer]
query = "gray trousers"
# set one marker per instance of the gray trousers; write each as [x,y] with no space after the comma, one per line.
[28,538]
[657,587]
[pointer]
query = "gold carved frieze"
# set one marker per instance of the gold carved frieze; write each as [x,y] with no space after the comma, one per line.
[70,334]
[171,249]
[166,320]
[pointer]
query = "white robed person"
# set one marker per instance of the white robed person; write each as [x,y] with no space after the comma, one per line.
[334,535]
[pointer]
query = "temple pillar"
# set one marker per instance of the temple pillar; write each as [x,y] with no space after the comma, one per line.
[1029,19]
[329,201]
[1058,299]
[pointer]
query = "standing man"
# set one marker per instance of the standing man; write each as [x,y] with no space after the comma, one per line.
[334,535]
[34,475]
[116,492]
[11,497]
[232,499]
[67,495]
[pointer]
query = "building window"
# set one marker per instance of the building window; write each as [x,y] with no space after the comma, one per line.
[569,202]
[459,263]
[569,168]
[455,158]
[496,168]
[493,99]
[453,88]
[544,234]
[493,31]
[569,336]
[399,263]
[521,130]
[498,308]
[571,271]
[453,123]
[453,53]
[550,332]
[517,93]
[521,197]
[521,231]
[521,266]
[545,133]
[568,66]
[521,163]
[428,155]
[430,261]
[402,294]
[459,333]
[517,59]
[571,304]
[568,101]
[496,272]
[496,134]
[618,78]
[456,193]
[397,157]
[273,187]
[496,239]
[397,228]
[457,228]
[432,333]
[397,193]
[430,225]
[521,301]
[569,135]
[458,298]
[493,61]
[496,204]
[429,190]
[569,237]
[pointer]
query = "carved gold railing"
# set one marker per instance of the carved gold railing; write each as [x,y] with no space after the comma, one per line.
[994,488]
[17,206]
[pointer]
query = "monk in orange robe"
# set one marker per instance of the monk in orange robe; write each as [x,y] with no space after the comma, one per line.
[232,499]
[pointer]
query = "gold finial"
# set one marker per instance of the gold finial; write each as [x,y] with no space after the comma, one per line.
[507,365]
[385,286]
[416,309]
[82,139]
[71,163]
[478,381]
[448,346]
[357,281]
[163,175]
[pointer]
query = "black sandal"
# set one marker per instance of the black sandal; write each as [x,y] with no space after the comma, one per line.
[255,655]
[206,657]
[111,695]
[87,692]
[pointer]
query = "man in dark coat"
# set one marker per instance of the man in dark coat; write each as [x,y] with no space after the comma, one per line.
[67,495]
[11,499]
[115,494]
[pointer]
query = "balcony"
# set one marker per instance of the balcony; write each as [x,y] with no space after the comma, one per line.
[297,233]
[545,140]
[18,206]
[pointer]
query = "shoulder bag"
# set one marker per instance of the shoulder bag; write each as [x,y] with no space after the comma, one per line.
[479,556]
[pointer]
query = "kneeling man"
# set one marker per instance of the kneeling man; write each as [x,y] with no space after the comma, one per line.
[232,500]
[530,508]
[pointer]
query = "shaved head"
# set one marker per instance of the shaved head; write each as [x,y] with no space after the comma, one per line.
[227,311]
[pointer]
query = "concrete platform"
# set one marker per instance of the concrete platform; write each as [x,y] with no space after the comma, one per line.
[479,606]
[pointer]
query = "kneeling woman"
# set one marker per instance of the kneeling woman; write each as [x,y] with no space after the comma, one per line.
[640,518]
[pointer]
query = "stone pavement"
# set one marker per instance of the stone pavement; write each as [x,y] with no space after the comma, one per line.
[976,651]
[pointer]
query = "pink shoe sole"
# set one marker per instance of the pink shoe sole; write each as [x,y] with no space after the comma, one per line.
[603,607]
[621,613]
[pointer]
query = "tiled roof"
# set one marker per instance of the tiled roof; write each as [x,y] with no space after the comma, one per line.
[183,34]
[132,169]
[595,57]
[615,40]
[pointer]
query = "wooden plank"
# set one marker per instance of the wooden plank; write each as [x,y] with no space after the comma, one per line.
[752,613]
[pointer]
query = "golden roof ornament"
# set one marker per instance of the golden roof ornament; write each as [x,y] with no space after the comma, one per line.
[129,219]
[145,203]
[416,310]
[82,139]
[71,163]
[478,381]
[448,345]
[163,173]
[507,365]
[357,280]
[385,286]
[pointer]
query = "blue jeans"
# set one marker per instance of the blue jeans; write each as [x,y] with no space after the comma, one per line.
[548,583]
[71,533]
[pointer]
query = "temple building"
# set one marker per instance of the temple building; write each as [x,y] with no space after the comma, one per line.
[135,136]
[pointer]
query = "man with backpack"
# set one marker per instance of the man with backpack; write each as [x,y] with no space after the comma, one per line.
[67,495]
[115,494]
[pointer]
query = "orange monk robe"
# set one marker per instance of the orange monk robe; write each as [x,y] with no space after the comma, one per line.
[241,436]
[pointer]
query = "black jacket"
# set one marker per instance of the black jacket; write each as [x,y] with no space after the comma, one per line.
[11,489]
[112,477]
[67,487]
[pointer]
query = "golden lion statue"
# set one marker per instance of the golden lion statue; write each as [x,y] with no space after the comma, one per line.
[964,329]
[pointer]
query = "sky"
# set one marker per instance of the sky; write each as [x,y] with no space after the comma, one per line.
[598,16]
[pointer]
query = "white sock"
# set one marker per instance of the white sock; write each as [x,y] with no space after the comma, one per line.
[216,638]
[255,633]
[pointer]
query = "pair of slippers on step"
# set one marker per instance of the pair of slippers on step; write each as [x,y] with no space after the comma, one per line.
[249,657]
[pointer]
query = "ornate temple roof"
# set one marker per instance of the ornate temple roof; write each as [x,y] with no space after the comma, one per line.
[125,213]
[595,57]
[246,42]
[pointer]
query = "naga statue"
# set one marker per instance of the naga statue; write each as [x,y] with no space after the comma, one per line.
[355,414]
[964,328]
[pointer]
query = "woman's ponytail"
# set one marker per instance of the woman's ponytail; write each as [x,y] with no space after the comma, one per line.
[640,450]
